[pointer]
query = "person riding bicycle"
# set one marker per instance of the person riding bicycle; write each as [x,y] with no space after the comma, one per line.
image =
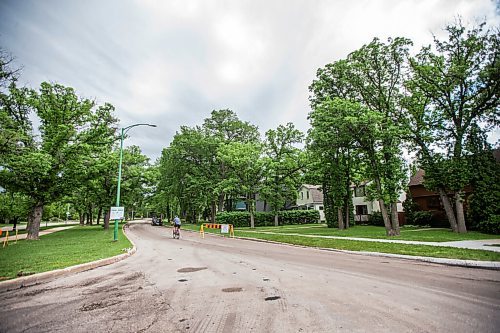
[177,223]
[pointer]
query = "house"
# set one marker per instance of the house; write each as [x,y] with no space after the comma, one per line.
[311,197]
[429,201]
[364,208]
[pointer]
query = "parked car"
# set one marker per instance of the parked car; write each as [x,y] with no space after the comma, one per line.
[155,220]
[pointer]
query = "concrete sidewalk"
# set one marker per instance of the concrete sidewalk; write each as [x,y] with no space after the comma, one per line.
[482,244]
[12,235]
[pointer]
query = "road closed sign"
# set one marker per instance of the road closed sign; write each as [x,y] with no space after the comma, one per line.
[224,228]
[117,213]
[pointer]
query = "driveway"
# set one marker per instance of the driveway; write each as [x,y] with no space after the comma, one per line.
[231,285]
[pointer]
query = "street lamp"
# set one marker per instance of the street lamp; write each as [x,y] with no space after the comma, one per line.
[124,131]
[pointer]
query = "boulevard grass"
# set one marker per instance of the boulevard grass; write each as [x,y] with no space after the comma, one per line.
[366,246]
[410,233]
[61,249]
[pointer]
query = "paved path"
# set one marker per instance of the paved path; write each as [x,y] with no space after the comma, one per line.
[12,235]
[483,244]
[232,285]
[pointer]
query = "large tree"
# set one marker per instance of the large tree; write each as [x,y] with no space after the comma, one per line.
[283,164]
[368,83]
[43,163]
[453,89]
[224,127]
[245,171]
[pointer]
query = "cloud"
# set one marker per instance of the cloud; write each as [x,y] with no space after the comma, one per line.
[172,62]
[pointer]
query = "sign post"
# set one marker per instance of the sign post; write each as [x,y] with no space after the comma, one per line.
[117,213]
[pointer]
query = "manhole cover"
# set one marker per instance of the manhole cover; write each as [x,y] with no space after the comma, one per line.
[190,269]
[272,298]
[182,280]
[232,290]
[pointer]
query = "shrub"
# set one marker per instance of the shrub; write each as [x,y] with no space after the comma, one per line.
[491,225]
[242,219]
[421,218]
[376,219]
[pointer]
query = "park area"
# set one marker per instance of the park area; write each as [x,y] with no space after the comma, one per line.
[73,246]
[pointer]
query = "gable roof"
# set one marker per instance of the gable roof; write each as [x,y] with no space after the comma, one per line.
[315,191]
[417,178]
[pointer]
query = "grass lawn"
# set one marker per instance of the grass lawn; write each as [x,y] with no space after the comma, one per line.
[344,244]
[20,232]
[59,250]
[366,231]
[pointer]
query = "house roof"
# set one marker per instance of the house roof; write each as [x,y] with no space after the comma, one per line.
[316,193]
[417,178]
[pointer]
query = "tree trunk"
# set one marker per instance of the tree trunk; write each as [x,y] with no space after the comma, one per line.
[252,221]
[347,212]
[383,210]
[340,218]
[276,219]
[385,217]
[106,220]
[448,209]
[459,206]
[82,218]
[89,217]
[220,208]
[395,219]
[35,217]
[99,213]
[347,223]
[212,212]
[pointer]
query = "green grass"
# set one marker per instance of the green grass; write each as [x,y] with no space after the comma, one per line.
[363,231]
[20,232]
[59,250]
[352,245]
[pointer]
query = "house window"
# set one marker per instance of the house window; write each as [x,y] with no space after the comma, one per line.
[359,191]
[307,193]
[302,195]
[361,210]
[433,202]
[320,207]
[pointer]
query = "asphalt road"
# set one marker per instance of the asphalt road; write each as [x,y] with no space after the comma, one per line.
[231,285]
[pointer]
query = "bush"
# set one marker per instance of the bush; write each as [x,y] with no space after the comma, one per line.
[376,219]
[262,219]
[490,226]
[421,218]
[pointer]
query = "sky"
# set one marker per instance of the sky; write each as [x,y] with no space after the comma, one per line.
[170,63]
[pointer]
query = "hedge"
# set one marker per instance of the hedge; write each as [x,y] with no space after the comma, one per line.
[490,226]
[262,219]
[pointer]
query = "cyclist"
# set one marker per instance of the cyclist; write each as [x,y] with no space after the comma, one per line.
[177,225]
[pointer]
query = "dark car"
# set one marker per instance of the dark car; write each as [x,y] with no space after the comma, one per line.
[155,220]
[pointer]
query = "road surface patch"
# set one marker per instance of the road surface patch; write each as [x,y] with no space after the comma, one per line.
[190,269]
[182,280]
[272,298]
[232,290]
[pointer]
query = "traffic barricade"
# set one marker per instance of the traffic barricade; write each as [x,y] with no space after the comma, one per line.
[224,228]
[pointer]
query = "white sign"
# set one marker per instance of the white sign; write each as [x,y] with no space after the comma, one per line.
[224,228]
[117,213]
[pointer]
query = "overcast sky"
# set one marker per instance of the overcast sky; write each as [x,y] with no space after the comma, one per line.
[171,63]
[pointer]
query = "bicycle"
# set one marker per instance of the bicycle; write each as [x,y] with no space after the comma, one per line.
[176,233]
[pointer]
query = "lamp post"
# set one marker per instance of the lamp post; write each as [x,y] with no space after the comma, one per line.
[123,132]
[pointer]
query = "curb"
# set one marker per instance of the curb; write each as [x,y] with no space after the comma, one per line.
[493,265]
[35,279]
